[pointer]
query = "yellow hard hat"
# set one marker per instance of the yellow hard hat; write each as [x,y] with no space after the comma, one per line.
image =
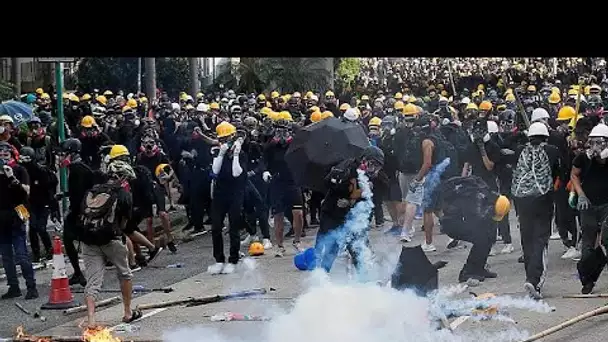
[118,150]
[287,97]
[265,111]
[554,98]
[132,103]
[274,116]
[480,87]
[65,96]
[509,91]
[262,97]
[398,105]
[316,116]
[162,168]
[309,94]
[501,207]
[183,97]
[285,115]
[472,105]
[344,106]
[225,129]
[364,98]
[199,95]
[214,105]
[256,249]
[327,114]
[45,96]
[108,93]
[315,109]
[485,105]
[329,93]
[573,92]
[531,88]
[375,121]
[87,122]
[274,95]
[85,97]
[102,99]
[510,98]
[74,98]
[398,96]
[39,91]
[411,99]
[555,90]
[189,107]
[566,113]
[126,108]
[143,99]
[410,109]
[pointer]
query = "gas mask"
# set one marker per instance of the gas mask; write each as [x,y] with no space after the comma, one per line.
[374,131]
[35,130]
[6,156]
[370,167]
[598,147]
[149,146]
[90,132]
[74,105]
[282,136]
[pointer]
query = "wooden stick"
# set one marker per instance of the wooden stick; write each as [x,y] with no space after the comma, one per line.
[594,295]
[544,333]
[203,300]
[104,302]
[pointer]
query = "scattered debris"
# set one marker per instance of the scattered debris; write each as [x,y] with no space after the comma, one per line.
[204,300]
[233,316]
[81,308]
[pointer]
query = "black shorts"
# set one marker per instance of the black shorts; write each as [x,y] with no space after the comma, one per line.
[394,191]
[159,198]
[285,197]
[137,216]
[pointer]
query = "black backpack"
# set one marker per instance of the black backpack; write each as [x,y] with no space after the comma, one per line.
[98,216]
[445,149]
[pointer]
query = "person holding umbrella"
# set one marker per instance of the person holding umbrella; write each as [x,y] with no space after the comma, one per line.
[344,192]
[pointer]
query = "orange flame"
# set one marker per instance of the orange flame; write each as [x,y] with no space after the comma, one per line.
[99,334]
[21,335]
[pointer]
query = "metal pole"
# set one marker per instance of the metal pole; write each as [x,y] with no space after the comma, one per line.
[194,86]
[213,66]
[151,78]
[61,128]
[16,75]
[139,74]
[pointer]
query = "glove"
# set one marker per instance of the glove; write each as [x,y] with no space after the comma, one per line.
[237,146]
[8,171]
[266,176]
[583,203]
[223,149]
[343,203]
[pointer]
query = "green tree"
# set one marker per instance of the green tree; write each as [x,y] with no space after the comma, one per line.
[296,74]
[347,71]
[246,77]
[7,92]
[173,75]
[107,73]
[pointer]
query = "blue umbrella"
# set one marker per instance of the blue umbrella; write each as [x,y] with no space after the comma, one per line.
[19,111]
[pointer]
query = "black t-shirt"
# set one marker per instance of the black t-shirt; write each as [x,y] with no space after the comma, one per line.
[594,178]
[151,162]
[13,195]
[473,157]
[80,180]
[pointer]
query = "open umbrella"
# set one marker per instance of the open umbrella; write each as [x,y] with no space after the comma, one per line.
[19,111]
[318,147]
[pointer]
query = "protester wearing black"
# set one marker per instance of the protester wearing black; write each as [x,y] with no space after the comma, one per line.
[538,165]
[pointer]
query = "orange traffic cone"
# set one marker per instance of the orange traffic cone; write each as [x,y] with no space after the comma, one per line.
[60,296]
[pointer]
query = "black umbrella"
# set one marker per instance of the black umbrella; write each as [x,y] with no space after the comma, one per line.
[318,147]
[415,271]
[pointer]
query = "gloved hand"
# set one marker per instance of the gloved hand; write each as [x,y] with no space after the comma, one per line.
[223,149]
[266,176]
[237,146]
[583,203]
[8,171]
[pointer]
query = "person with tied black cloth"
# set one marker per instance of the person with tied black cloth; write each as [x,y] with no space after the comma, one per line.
[589,179]
[534,175]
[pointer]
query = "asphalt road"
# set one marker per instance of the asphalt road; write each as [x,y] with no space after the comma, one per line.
[268,271]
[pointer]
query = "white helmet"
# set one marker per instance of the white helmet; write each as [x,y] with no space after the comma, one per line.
[314,98]
[189,98]
[235,108]
[538,128]
[601,130]
[538,114]
[492,127]
[465,100]
[351,114]
[129,96]
[202,107]
[175,106]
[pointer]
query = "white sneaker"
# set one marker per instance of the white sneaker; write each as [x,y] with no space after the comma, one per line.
[228,268]
[569,253]
[405,236]
[507,249]
[533,292]
[493,251]
[267,244]
[297,246]
[555,236]
[215,268]
[428,248]
[247,240]
[576,255]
